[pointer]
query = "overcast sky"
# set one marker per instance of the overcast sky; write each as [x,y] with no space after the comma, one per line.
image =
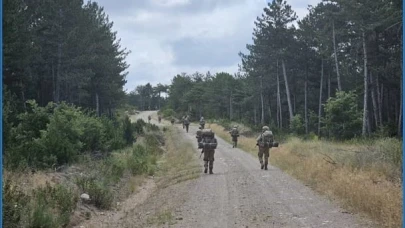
[168,37]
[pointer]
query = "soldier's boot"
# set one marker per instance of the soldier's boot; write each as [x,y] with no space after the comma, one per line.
[211,170]
[205,166]
[262,166]
[205,170]
[265,166]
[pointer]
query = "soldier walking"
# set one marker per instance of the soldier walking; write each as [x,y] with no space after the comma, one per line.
[234,134]
[208,144]
[265,142]
[202,122]
[187,122]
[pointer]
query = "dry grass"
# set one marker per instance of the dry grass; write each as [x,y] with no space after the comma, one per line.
[180,162]
[342,172]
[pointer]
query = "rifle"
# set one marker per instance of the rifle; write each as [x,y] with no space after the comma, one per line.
[202,151]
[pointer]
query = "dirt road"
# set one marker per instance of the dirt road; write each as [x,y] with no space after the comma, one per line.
[238,194]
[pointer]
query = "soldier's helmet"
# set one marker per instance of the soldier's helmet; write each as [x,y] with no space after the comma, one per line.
[265,128]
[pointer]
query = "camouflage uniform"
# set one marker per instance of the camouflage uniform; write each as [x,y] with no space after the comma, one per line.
[208,154]
[202,122]
[182,120]
[234,134]
[186,122]
[263,149]
[198,136]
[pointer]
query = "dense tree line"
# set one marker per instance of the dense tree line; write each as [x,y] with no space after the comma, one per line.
[58,50]
[63,73]
[148,97]
[337,73]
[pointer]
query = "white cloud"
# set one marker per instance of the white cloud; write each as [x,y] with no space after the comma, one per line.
[151,29]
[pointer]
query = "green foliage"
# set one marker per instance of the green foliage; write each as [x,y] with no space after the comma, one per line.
[48,199]
[91,59]
[168,113]
[128,131]
[56,134]
[100,194]
[138,126]
[60,142]
[138,162]
[343,118]
[48,206]
[94,133]
[297,125]
[14,205]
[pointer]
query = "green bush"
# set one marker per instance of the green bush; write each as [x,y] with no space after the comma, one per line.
[168,113]
[100,194]
[94,133]
[138,163]
[297,125]
[138,126]
[343,118]
[62,136]
[14,205]
[128,131]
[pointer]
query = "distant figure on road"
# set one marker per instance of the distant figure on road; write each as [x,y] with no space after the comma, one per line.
[208,144]
[160,118]
[182,120]
[199,137]
[172,121]
[149,118]
[234,134]
[202,122]
[265,142]
[187,122]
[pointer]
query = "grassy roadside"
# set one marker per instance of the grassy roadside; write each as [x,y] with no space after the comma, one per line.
[178,164]
[51,198]
[364,177]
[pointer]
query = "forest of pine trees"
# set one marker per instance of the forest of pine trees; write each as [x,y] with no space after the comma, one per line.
[62,51]
[337,73]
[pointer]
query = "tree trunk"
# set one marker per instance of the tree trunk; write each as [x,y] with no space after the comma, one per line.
[58,74]
[382,98]
[320,101]
[329,89]
[388,107]
[336,59]
[97,105]
[399,133]
[373,97]
[379,101]
[159,100]
[280,117]
[230,107]
[365,111]
[254,114]
[23,95]
[270,112]
[306,101]
[287,90]
[261,99]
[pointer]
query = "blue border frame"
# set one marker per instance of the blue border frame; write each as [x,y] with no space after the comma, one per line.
[403,112]
[1,113]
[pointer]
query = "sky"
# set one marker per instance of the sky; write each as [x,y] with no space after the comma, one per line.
[168,37]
